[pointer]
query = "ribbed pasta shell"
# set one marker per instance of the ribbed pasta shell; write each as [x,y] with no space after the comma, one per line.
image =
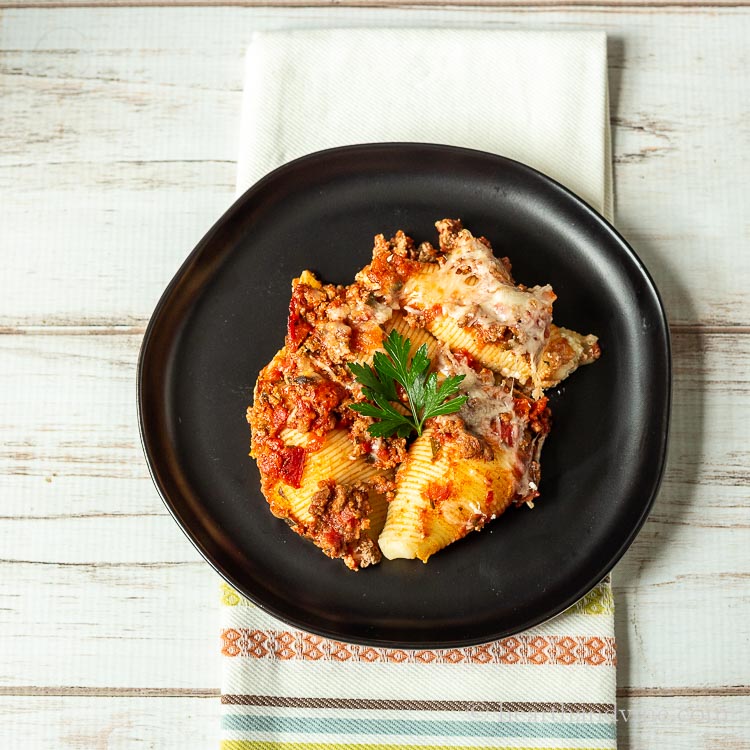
[565,352]
[378,513]
[331,461]
[430,287]
[417,336]
[508,363]
[441,499]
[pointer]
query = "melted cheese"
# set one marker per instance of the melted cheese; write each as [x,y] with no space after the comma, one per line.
[488,407]
[473,288]
[450,483]
[440,499]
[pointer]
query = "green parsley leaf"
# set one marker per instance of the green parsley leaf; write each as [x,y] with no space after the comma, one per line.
[426,398]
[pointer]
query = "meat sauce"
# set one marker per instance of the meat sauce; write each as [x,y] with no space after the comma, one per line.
[306,390]
[309,407]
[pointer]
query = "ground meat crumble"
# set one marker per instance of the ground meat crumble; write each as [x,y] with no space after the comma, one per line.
[308,387]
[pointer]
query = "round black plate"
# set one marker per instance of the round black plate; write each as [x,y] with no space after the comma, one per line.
[223,317]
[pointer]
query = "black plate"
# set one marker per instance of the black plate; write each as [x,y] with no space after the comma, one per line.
[223,317]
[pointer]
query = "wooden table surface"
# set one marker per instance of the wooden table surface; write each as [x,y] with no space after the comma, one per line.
[118,139]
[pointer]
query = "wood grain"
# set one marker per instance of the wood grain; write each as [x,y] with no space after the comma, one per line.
[120,129]
[81,519]
[564,5]
[120,135]
[688,722]
[189,723]
[78,723]
[109,627]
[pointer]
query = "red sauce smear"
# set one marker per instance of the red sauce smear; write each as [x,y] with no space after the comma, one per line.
[284,462]
[437,492]
[292,464]
[466,358]
[506,433]
[297,327]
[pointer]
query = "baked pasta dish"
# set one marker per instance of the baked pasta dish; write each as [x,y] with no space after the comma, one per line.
[407,409]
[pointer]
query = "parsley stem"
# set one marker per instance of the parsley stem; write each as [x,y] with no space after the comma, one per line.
[426,398]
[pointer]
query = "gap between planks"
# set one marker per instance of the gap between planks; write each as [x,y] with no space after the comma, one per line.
[146,692]
[108,329]
[564,5]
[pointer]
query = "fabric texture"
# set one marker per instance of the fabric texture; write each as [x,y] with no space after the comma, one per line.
[540,98]
[550,687]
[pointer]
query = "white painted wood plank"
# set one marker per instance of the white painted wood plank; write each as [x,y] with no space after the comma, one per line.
[103,588]
[683,588]
[120,132]
[284,4]
[109,625]
[100,588]
[71,462]
[82,723]
[684,723]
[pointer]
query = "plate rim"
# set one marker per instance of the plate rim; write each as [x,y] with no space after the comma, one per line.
[228,216]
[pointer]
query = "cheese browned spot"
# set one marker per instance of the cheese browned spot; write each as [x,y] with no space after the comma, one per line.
[472,289]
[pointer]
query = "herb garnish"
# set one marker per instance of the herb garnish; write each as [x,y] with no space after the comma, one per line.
[426,398]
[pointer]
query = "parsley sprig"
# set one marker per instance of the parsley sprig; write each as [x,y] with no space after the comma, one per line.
[425,397]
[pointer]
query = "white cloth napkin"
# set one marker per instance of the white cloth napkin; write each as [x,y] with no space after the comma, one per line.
[538,97]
